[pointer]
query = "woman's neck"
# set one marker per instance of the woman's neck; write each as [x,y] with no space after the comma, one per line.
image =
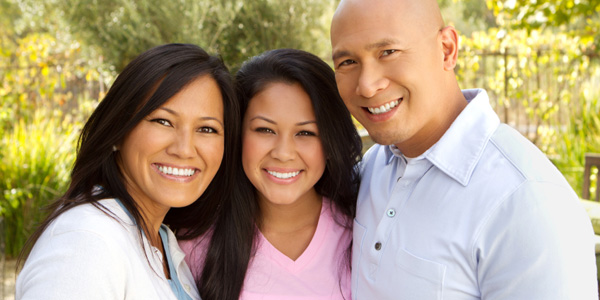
[290,227]
[153,218]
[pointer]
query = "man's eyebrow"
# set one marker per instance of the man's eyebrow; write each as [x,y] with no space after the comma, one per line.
[379,44]
[338,54]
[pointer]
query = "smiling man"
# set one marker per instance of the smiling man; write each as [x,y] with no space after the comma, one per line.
[453,204]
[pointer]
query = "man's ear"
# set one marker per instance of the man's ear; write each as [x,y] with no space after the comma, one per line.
[449,44]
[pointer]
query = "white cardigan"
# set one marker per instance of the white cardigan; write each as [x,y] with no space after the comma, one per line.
[85,254]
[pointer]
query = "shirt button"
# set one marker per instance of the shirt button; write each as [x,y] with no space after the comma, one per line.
[391,213]
[378,246]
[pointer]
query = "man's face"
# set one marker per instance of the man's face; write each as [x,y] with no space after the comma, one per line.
[388,64]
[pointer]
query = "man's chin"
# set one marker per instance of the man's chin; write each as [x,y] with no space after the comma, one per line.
[382,138]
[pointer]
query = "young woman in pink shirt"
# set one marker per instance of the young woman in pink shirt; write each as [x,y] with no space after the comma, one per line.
[286,234]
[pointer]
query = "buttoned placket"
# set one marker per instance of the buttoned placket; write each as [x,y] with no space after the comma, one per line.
[406,178]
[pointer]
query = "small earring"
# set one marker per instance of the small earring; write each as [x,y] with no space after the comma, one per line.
[114,148]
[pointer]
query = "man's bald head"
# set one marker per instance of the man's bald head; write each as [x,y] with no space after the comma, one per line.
[421,15]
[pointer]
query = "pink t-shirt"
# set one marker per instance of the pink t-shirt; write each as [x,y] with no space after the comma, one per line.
[321,272]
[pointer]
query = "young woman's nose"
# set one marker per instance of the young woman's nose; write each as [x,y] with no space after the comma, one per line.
[284,149]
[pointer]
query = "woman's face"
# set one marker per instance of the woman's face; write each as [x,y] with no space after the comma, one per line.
[282,152]
[172,155]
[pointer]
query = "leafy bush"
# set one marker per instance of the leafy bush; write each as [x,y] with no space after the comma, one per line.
[581,135]
[542,83]
[35,164]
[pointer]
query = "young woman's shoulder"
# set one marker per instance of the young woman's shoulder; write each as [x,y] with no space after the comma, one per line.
[195,252]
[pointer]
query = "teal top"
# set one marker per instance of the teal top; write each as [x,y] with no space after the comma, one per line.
[174,282]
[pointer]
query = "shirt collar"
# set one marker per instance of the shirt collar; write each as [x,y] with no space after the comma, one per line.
[460,148]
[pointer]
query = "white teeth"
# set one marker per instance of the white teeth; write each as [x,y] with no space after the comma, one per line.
[176,171]
[384,108]
[284,175]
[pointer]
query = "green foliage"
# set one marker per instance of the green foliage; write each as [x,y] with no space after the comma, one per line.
[575,17]
[468,15]
[581,135]
[262,25]
[38,72]
[35,163]
[533,78]
[237,29]
[48,88]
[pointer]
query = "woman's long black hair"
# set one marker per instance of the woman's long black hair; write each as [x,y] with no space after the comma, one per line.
[145,84]
[233,236]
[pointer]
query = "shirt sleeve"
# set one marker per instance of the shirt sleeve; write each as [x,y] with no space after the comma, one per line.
[195,253]
[537,244]
[73,265]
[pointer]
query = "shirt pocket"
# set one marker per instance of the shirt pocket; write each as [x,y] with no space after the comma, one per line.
[418,278]
[358,233]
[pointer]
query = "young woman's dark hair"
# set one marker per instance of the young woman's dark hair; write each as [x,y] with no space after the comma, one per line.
[144,85]
[234,234]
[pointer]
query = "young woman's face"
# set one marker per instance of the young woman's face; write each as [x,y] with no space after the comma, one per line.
[282,152]
[172,155]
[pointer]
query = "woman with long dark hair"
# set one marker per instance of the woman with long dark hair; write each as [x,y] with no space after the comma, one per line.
[287,232]
[156,141]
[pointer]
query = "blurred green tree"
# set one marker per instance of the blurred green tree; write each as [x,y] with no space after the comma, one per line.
[578,17]
[236,29]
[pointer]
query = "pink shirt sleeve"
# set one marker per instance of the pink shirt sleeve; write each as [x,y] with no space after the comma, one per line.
[195,252]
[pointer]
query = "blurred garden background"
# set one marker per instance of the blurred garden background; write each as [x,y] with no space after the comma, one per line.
[538,60]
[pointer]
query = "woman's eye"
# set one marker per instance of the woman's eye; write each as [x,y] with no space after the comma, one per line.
[162,122]
[264,130]
[306,133]
[207,130]
[388,52]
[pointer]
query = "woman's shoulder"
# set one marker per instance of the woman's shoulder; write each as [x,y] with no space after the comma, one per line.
[105,217]
[331,213]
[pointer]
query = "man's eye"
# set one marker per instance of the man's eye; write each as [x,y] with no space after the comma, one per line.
[346,62]
[388,52]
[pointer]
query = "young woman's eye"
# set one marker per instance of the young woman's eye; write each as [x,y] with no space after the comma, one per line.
[161,122]
[264,130]
[207,130]
[306,133]
[387,52]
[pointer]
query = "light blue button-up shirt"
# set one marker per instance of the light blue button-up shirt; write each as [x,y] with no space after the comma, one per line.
[482,214]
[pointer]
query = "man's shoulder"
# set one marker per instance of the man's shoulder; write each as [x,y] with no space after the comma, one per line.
[523,157]
[373,153]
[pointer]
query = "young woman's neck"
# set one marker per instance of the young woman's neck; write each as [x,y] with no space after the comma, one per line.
[289,217]
[290,227]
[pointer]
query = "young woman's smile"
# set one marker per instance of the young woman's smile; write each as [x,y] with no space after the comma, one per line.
[282,152]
